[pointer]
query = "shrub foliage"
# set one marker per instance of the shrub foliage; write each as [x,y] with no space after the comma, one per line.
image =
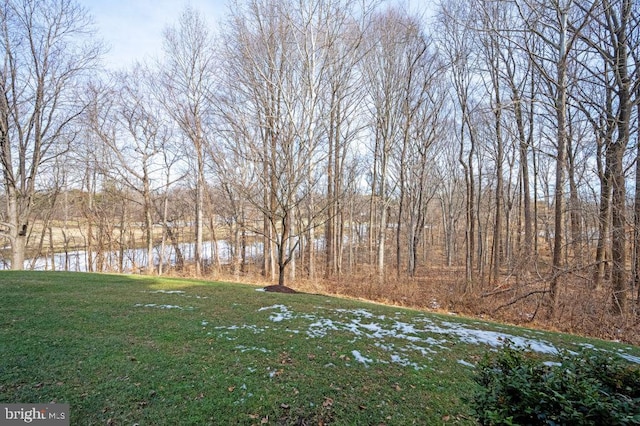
[586,388]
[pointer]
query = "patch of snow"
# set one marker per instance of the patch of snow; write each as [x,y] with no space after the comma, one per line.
[466,363]
[253,328]
[353,327]
[384,347]
[357,312]
[266,308]
[360,358]
[491,338]
[397,337]
[284,313]
[631,358]
[374,327]
[153,305]
[425,351]
[244,349]
[277,317]
[397,359]
[321,327]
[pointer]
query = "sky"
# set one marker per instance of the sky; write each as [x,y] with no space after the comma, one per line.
[132,29]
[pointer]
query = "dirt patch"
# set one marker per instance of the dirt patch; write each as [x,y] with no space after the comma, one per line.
[279,289]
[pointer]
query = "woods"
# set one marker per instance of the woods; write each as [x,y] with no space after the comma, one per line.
[482,153]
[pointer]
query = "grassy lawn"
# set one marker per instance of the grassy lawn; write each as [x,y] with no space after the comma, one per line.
[125,350]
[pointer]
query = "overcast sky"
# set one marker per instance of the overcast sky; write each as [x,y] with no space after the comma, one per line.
[133,28]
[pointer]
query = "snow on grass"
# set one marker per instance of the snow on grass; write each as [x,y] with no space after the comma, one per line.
[403,341]
[154,305]
[630,358]
[253,328]
[405,362]
[321,327]
[400,336]
[466,363]
[244,349]
[284,313]
[361,313]
[361,358]
[492,338]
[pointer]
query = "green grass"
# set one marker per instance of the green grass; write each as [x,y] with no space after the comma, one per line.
[123,350]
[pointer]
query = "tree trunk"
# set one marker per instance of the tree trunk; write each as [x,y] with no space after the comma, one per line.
[148,220]
[575,212]
[497,230]
[636,206]
[561,140]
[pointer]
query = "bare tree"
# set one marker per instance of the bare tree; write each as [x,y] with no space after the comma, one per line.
[456,39]
[555,27]
[342,124]
[391,61]
[188,77]
[422,100]
[131,125]
[610,38]
[46,56]
[421,185]
[278,76]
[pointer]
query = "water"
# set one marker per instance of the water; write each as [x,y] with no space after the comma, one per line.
[134,260]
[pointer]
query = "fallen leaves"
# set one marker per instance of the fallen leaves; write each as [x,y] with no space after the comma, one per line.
[285,358]
[328,402]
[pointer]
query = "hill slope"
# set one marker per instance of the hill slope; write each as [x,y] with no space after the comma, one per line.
[125,350]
